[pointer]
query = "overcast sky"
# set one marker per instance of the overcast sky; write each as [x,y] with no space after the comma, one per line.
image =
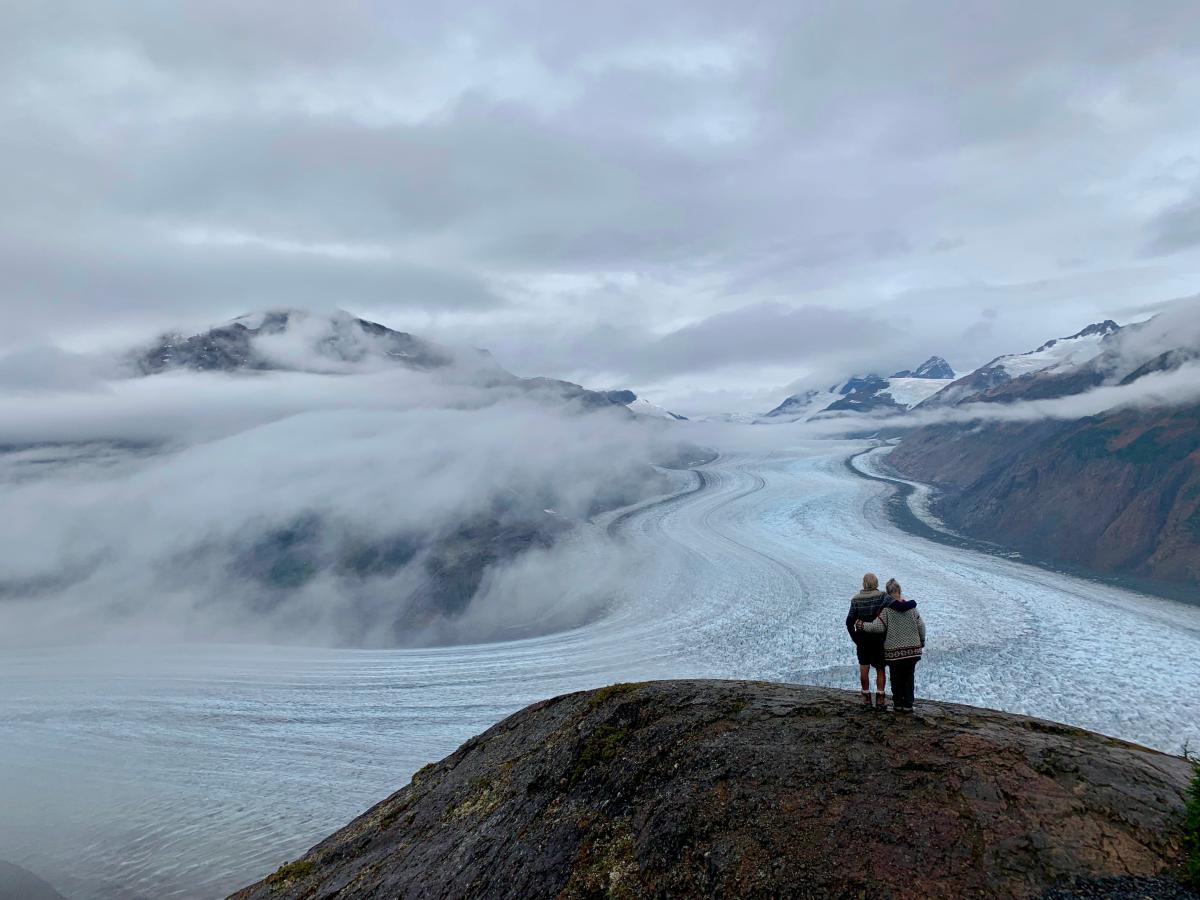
[706,202]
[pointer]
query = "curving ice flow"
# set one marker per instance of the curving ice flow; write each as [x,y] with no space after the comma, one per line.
[188,771]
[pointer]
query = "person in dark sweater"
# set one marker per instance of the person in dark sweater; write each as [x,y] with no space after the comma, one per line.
[903,633]
[864,607]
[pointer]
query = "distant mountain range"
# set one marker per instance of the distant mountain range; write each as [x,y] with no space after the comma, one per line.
[1116,492]
[1094,356]
[867,393]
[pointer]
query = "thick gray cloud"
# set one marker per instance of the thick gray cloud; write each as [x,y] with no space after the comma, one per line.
[614,194]
[1177,227]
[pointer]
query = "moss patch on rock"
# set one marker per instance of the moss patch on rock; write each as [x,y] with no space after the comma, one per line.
[485,794]
[613,690]
[290,872]
[423,771]
[601,747]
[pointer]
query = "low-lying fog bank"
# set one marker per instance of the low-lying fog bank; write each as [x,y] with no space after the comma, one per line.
[373,503]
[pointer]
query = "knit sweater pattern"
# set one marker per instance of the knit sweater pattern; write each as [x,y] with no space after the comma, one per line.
[903,630]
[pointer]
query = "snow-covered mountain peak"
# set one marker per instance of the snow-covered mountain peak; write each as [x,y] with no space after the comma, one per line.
[866,393]
[643,407]
[1097,330]
[934,367]
[640,406]
[1073,350]
[1054,357]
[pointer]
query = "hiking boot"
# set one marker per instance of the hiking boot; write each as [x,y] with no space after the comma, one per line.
[881,701]
[866,695]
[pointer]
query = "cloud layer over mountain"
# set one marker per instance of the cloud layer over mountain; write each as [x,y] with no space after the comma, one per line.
[603,194]
[378,508]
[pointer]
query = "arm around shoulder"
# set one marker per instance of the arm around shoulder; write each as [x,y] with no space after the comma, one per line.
[879,625]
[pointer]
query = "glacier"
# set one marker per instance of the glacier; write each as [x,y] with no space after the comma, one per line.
[189,770]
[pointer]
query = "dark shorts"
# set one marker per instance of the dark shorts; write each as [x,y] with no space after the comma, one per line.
[870,654]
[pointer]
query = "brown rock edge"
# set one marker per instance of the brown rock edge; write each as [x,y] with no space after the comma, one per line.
[756,789]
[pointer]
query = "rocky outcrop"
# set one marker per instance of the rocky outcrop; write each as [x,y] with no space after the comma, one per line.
[934,367]
[752,789]
[867,393]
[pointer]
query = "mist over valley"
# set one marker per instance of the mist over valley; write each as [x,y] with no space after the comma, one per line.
[517,431]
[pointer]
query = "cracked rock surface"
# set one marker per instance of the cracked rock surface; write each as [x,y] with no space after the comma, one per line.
[755,789]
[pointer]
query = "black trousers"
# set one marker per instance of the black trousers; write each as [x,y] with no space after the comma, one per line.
[903,681]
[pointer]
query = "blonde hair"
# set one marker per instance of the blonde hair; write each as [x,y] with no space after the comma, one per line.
[893,587]
[870,582]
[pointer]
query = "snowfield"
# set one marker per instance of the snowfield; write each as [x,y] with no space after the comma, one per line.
[189,771]
[643,407]
[1062,353]
[908,392]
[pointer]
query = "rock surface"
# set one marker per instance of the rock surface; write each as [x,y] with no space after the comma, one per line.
[753,789]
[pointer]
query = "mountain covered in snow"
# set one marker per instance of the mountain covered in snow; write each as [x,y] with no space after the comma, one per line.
[1056,357]
[1103,353]
[1116,492]
[640,406]
[867,393]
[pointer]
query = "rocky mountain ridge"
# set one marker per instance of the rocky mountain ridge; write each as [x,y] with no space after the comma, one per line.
[1058,361]
[934,367]
[290,340]
[755,789]
[1058,367]
[333,342]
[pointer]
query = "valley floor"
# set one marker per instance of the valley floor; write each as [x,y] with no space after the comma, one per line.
[190,771]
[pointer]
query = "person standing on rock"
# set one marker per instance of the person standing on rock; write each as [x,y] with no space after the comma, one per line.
[864,607]
[903,632]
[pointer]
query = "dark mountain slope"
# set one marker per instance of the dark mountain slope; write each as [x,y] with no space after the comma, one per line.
[753,789]
[1117,493]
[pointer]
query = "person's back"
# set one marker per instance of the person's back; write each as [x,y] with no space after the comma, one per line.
[864,607]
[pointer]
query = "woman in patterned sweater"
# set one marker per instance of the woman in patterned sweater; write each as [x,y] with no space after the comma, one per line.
[904,640]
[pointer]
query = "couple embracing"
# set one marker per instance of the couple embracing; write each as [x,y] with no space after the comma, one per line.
[887,631]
